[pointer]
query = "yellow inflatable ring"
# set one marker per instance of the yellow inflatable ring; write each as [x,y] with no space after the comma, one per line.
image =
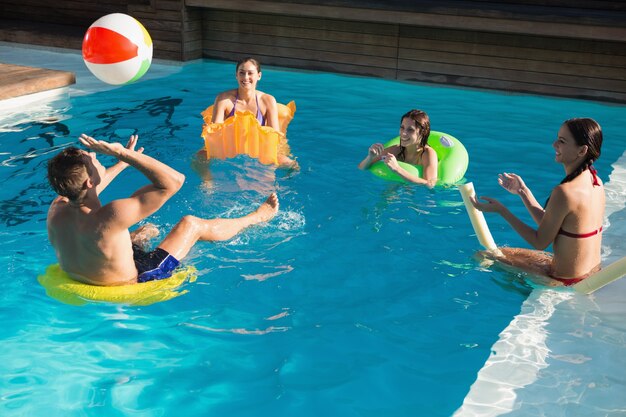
[60,286]
[243,135]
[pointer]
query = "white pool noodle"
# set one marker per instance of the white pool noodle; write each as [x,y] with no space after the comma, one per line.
[478,220]
[603,277]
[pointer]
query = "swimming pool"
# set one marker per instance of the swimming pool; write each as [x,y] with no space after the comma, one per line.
[361,297]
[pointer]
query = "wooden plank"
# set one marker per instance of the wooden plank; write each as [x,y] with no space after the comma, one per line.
[17,80]
[178,5]
[44,39]
[510,25]
[174,16]
[418,56]
[528,40]
[297,43]
[75,13]
[306,33]
[456,70]
[304,22]
[68,5]
[157,24]
[165,35]
[296,53]
[515,86]
[194,35]
[309,64]
[194,47]
[47,15]
[555,55]
[606,5]
[171,55]
[168,45]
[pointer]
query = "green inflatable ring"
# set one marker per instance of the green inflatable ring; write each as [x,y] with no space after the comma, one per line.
[60,286]
[451,155]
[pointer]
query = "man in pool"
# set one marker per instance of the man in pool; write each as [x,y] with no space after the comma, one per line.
[92,241]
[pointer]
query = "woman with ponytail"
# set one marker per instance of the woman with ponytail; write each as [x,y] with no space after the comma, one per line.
[572,218]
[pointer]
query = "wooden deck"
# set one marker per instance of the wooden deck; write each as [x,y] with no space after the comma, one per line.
[569,48]
[17,80]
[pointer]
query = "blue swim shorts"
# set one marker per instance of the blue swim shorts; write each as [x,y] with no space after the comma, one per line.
[155,265]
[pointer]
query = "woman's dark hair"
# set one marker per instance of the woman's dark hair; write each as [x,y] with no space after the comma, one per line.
[588,132]
[422,122]
[256,63]
[66,172]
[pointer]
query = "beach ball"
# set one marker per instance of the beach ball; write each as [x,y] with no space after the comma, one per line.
[117,49]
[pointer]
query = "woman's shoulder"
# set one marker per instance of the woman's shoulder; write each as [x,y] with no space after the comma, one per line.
[430,151]
[226,95]
[568,194]
[267,98]
[429,154]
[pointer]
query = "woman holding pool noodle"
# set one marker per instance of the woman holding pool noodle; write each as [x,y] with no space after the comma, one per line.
[572,218]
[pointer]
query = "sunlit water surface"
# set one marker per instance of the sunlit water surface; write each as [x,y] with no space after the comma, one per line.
[361,298]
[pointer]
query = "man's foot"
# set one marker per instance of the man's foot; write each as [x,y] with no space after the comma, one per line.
[267,210]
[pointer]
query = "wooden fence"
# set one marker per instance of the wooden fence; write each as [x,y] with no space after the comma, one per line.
[573,48]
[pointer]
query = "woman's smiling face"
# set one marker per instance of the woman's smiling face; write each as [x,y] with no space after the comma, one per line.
[248,75]
[565,146]
[409,132]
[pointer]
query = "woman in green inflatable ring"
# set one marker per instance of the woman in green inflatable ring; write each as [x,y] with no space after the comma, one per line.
[412,149]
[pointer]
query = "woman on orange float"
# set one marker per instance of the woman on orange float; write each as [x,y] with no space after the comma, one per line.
[247,98]
[572,218]
[412,149]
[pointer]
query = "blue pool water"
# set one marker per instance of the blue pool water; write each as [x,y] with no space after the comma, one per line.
[361,298]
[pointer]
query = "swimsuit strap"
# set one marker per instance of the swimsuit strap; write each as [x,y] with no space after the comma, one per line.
[259,115]
[232,112]
[594,174]
[581,235]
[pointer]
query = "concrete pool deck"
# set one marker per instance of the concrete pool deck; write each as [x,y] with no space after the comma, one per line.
[20,80]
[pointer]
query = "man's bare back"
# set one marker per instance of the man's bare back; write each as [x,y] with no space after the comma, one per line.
[89,249]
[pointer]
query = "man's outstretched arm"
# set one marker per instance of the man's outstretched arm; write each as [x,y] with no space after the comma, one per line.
[114,170]
[165,182]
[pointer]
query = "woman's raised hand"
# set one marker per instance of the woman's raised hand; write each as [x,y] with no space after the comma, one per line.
[391,161]
[376,149]
[513,183]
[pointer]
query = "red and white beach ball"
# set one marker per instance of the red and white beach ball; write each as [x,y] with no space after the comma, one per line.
[117,49]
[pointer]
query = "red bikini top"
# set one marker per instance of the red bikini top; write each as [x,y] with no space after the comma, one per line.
[581,235]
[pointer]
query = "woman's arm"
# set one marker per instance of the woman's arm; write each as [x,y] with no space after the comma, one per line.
[555,213]
[271,112]
[429,166]
[373,155]
[515,185]
[221,107]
